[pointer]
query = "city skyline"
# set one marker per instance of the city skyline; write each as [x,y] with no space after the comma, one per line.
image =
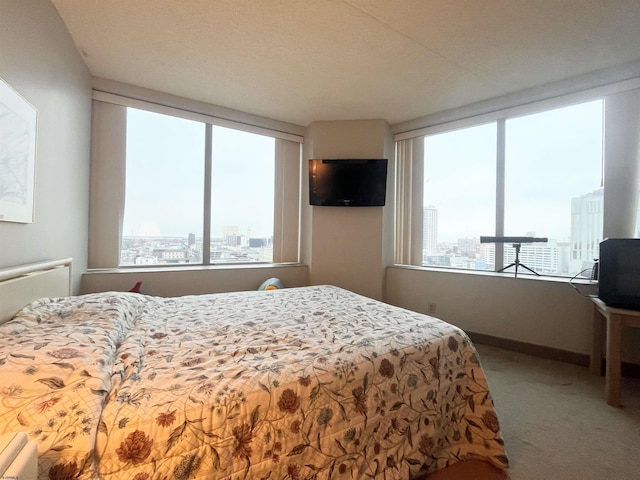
[232,247]
[556,256]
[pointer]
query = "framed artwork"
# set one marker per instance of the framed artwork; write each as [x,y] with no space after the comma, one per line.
[17,156]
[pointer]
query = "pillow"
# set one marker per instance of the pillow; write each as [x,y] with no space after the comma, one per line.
[271,284]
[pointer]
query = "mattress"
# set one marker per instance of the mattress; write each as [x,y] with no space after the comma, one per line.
[312,382]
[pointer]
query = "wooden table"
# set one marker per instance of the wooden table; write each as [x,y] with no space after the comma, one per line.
[616,318]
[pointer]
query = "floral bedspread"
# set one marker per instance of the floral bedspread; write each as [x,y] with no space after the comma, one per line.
[302,383]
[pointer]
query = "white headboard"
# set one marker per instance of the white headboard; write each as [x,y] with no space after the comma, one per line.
[22,284]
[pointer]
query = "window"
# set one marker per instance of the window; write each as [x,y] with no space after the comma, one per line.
[242,192]
[459,196]
[164,202]
[174,214]
[548,185]
[553,173]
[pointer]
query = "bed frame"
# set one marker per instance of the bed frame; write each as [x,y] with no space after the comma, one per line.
[22,284]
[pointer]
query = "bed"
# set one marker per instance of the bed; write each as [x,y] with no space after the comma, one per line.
[302,383]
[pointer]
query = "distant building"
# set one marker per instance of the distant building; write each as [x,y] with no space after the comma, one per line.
[171,255]
[230,230]
[430,229]
[259,242]
[543,258]
[233,240]
[468,246]
[586,229]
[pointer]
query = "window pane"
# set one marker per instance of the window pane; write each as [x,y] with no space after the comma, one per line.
[459,196]
[242,197]
[552,187]
[164,190]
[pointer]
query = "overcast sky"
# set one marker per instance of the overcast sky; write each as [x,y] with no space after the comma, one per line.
[165,186]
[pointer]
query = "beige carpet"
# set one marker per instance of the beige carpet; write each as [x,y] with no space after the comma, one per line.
[556,423]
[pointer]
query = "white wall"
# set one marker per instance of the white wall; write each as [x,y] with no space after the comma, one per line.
[525,309]
[548,313]
[39,60]
[348,247]
[171,282]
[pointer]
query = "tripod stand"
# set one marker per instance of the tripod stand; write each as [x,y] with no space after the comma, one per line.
[517,262]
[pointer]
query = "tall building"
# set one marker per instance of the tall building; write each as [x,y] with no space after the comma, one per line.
[230,230]
[468,246]
[430,229]
[543,258]
[586,229]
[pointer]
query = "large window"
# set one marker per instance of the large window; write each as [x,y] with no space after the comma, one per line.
[553,175]
[178,213]
[535,176]
[242,192]
[459,195]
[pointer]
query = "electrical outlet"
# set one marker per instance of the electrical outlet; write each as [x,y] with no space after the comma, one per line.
[431,308]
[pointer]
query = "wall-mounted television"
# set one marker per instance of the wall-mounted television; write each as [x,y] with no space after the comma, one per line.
[619,273]
[348,182]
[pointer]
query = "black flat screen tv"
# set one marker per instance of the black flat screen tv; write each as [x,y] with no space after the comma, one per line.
[619,273]
[348,182]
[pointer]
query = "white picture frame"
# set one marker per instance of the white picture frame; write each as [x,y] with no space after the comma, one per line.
[18,124]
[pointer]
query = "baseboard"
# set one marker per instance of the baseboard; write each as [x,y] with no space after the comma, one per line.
[628,369]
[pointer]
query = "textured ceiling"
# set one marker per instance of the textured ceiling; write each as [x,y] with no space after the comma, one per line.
[305,60]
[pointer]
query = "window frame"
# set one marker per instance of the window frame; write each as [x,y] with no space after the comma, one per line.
[406,239]
[108,175]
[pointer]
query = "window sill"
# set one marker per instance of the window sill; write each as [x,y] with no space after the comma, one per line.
[192,267]
[506,275]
